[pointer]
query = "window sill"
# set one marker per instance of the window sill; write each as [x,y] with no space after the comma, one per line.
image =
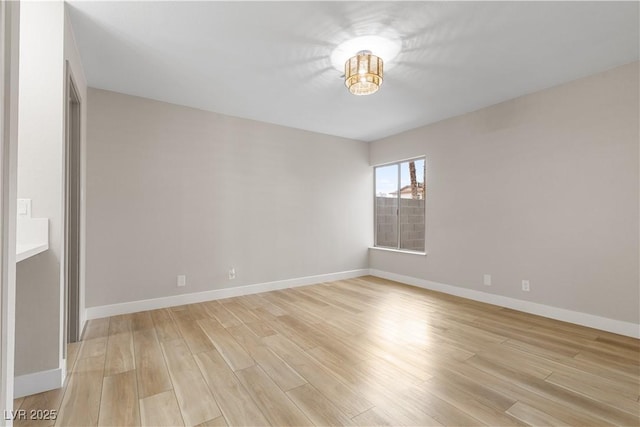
[402,251]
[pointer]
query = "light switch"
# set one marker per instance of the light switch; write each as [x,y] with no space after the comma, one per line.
[24,207]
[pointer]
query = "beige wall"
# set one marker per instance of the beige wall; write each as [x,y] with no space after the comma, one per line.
[46,43]
[544,187]
[173,190]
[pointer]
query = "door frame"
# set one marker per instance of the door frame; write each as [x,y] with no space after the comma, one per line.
[9,56]
[72,163]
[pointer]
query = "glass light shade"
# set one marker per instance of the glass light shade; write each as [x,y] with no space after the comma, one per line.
[363,73]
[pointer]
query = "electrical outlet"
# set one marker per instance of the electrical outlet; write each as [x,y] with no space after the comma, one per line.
[525,285]
[232,273]
[182,280]
[487,280]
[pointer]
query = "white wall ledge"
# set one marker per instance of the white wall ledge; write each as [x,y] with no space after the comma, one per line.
[32,234]
[27,250]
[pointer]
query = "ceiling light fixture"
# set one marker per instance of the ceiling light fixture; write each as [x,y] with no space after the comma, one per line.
[363,73]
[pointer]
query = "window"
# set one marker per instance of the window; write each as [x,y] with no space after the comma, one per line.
[400,205]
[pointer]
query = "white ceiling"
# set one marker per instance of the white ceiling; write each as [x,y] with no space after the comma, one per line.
[270,61]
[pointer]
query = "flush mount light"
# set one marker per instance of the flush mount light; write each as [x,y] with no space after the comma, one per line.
[363,73]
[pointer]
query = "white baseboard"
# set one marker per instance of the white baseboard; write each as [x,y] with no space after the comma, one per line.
[163,302]
[603,323]
[37,382]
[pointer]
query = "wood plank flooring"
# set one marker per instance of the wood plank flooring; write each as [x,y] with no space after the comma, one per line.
[364,351]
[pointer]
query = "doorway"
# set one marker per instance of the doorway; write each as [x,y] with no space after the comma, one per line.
[72,212]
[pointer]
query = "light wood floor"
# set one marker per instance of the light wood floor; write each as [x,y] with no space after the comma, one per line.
[365,351]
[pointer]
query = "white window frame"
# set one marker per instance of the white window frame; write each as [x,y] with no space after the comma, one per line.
[397,248]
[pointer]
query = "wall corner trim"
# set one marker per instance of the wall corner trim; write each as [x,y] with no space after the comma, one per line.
[584,319]
[37,382]
[98,312]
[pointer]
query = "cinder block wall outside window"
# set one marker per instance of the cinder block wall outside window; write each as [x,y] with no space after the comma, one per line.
[411,223]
